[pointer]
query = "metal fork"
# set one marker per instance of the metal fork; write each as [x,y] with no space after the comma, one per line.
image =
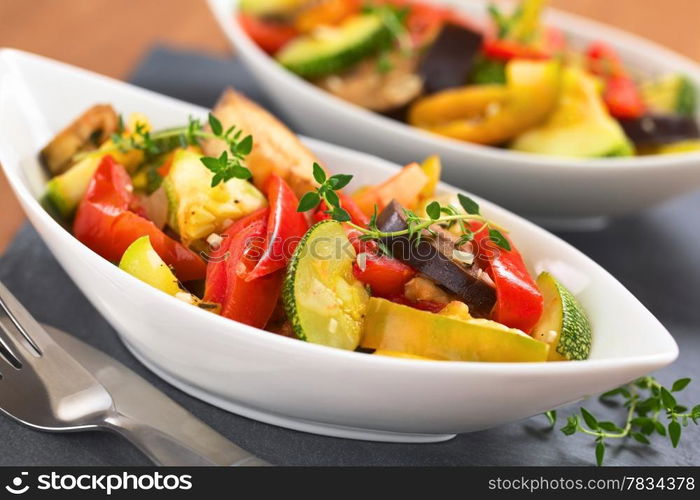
[45,388]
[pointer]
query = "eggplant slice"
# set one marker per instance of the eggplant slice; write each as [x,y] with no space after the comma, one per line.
[434,256]
[655,130]
[449,61]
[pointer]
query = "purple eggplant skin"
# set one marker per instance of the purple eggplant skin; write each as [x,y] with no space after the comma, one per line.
[655,130]
[448,62]
[433,256]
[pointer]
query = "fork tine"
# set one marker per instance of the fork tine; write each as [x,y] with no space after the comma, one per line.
[19,328]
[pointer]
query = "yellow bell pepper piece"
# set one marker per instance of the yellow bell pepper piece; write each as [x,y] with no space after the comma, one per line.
[493,114]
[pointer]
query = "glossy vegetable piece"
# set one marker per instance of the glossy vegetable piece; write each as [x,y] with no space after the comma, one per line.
[432,167]
[654,130]
[336,48]
[143,262]
[449,60]
[621,94]
[564,324]
[195,208]
[405,187]
[532,91]
[434,256]
[268,35]
[276,149]
[251,302]
[519,302]
[324,301]
[385,276]
[670,94]
[394,327]
[106,223]
[580,126]
[325,13]
[65,191]
[285,229]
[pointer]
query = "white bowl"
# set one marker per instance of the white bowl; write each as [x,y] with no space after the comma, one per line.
[533,185]
[292,383]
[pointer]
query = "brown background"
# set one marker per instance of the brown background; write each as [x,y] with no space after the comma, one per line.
[111,36]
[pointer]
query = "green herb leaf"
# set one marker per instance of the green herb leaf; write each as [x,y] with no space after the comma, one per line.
[551,416]
[332,198]
[215,124]
[339,181]
[660,429]
[590,420]
[641,438]
[469,205]
[609,426]
[600,453]
[433,210]
[680,384]
[341,215]
[571,426]
[499,239]
[245,146]
[667,399]
[674,433]
[309,201]
[319,173]
[212,164]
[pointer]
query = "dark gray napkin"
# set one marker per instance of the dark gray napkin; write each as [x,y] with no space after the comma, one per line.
[654,254]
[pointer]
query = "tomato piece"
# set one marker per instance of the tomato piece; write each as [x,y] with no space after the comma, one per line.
[505,49]
[270,37]
[109,220]
[285,229]
[622,95]
[386,276]
[216,278]
[247,301]
[519,303]
[623,98]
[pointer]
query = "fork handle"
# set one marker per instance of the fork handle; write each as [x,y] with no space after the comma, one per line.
[191,444]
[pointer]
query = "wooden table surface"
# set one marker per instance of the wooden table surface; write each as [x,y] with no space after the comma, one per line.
[110,37]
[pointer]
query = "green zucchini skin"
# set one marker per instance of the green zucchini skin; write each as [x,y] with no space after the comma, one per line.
[312,58]
[324,302]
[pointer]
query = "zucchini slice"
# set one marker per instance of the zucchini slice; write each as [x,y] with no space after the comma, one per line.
[334,49]
[564,324]
[324,301]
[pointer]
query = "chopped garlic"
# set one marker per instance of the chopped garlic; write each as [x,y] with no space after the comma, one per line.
[462,256]
[214,240]
[361,260]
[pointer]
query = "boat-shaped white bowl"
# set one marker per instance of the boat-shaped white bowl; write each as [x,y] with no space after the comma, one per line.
[289,382]
[542,186]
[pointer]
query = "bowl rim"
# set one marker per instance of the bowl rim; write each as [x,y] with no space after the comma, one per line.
[224,11]
[225,326]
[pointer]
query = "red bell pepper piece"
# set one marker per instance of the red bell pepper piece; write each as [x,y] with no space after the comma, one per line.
[519,303]
[216,279]
[247,301]
[621,96]
[385,275]
[504,49]
[270,37]
[108,221]
[285,228]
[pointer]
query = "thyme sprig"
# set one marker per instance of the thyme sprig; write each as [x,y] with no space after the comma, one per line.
[651,409]
[446,216]
[230,164]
